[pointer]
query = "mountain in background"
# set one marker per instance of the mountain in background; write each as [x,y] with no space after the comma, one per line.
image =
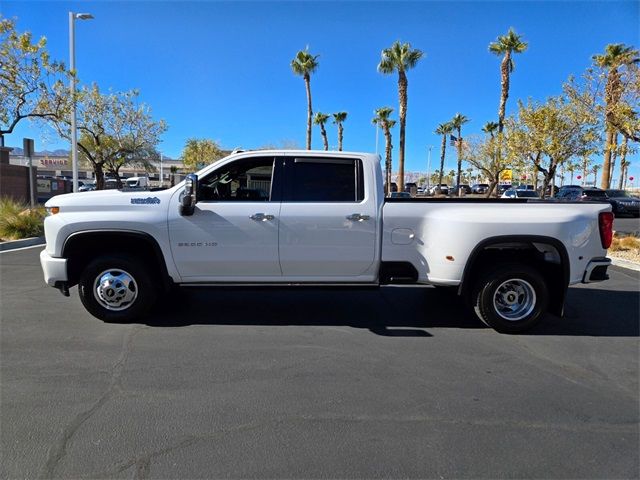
[54,153]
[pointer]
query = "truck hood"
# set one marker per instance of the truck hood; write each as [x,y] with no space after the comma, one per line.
[109,200]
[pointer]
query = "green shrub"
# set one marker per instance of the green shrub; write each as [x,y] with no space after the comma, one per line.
[19,221]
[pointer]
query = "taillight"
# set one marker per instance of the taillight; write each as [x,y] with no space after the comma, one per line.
[605,222]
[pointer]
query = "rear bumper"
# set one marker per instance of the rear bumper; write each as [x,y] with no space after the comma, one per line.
[596,270]
[54,269]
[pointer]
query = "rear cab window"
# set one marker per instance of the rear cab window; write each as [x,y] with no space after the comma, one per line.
[324,180]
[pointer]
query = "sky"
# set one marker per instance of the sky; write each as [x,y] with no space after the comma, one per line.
[221,70]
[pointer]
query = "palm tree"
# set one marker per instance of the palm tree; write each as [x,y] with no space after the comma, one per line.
[304,64]
[338,118]
[506,45]
[490,128]
[386,124]
[615,56]
[445,130]
[469,172]
[452,175]
[586,165]
[457,121]
[400,57]
[571,168]
[594,170]
[624,163]
[627,164]
[320,119]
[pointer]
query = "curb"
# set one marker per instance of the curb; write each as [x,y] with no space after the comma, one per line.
[27,242]
[619,262]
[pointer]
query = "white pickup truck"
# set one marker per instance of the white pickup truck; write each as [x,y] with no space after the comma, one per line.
[319,218]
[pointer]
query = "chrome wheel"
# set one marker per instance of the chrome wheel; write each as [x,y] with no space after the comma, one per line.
[514,299]
[115,289]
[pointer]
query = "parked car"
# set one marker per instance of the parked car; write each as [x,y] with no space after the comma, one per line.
[503,187]
[573,193]
[515,193]
[87,187]
[400,195]
[411,187]
[480,188]
[623,203]
[443,188]
[525,187]
[466,188]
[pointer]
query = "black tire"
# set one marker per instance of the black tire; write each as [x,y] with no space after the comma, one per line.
[511,298]
[137,295]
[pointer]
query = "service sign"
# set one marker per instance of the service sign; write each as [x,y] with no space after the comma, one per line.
[506,175]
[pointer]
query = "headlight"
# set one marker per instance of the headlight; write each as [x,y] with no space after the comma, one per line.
[52,210]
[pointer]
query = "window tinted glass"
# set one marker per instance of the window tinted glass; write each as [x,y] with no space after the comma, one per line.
[616,193]
[240,181]
[594,193]
[528,194]
[319,180]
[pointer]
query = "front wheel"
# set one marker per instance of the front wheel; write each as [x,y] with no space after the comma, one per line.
[116,288]
[511,298]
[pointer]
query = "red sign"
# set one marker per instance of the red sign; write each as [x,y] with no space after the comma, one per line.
[631,178]
[579,177]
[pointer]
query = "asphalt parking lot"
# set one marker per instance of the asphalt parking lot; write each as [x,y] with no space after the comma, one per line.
[315,383]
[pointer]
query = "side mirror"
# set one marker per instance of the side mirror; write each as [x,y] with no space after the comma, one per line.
[189,195]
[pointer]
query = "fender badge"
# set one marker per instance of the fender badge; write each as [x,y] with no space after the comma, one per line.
[145,201]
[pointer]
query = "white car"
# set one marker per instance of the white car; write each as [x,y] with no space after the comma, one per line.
[517,193]
[319,218]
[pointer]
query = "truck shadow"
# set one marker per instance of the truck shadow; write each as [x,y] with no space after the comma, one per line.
[399,312]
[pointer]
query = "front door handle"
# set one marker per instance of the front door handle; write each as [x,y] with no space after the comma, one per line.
[357,217]
[261,217]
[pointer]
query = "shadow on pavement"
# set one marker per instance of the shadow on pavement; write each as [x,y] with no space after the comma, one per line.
[404,312]
[597,313]
[388,311]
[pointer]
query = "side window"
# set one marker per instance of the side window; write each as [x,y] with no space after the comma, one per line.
[247,180]
[325,180]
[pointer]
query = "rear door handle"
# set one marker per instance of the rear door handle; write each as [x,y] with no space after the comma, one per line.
[357,217]
[261,217]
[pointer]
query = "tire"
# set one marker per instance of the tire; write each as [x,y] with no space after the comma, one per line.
[117,288]
[511,298]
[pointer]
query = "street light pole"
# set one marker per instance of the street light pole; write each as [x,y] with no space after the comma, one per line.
[72,68]
[429,168]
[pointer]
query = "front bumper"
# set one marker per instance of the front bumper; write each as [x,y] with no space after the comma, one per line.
[596,270]
[54,269]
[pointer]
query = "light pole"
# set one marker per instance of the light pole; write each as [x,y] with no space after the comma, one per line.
[72,67]
[429,167]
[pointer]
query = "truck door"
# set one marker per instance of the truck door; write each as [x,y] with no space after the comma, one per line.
[327,221]
[233,232]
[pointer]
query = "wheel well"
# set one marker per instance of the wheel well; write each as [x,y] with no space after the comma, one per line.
[546,255]
[81,248]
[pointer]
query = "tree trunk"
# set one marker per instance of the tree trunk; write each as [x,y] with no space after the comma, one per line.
[443,149]
[388,160]
[340,133]
[614,156]
[323,131]
[606,164]
[402,115]
[307,84]
[99,174]
[548,177]
[504,83]
[623,162]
